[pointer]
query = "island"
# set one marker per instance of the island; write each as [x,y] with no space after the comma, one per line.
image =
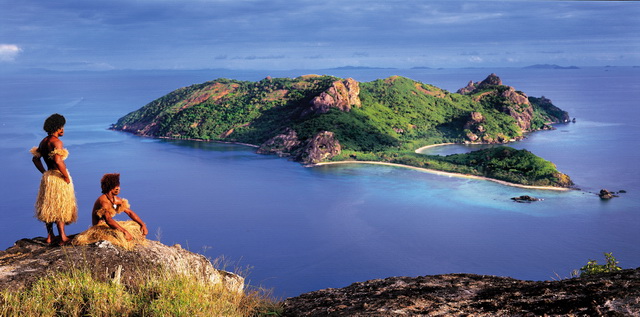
[316,119]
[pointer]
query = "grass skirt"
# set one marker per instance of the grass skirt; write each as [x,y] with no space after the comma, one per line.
[56,199]
[102,231]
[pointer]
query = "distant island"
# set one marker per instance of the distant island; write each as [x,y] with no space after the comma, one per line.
[318,119]
[550,66]
[358,68]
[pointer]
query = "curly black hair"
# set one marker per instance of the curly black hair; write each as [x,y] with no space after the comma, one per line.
[53,123]
[109,182]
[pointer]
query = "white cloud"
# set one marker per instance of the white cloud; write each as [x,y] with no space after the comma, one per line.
[8,52]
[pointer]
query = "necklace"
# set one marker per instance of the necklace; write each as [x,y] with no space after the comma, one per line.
[111,201]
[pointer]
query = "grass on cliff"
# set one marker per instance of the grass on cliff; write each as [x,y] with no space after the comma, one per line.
[78,293]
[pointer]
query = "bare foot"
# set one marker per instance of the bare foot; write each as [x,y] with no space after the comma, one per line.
[49,239]
[63,242]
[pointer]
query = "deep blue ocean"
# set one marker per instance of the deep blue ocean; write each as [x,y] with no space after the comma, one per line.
[295,229]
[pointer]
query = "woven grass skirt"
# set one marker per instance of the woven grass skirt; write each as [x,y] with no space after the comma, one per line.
[102,231]
[56,199]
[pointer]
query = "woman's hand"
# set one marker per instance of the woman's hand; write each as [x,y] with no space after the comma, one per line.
[145,232]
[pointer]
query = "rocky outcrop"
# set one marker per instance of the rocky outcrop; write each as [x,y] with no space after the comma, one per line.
[283,144]
[29,259]
[474,126]
[551,113]
[524,199]
[342,95]
[610,294]
[516,104]
[471,88]
[607,194]
[321,147]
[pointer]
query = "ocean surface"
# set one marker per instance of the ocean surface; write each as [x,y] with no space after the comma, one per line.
[294,229]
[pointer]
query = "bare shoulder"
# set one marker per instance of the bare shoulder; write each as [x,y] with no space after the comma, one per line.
[56,143]
[101,201]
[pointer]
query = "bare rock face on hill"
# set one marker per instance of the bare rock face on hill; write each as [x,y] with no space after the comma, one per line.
[342,95]
[612,294]
[29,259]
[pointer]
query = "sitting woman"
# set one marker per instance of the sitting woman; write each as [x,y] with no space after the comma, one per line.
[122,233]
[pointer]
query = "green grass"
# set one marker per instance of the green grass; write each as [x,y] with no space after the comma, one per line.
[78,292]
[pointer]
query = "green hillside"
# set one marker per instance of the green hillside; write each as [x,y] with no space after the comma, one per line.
[382,120]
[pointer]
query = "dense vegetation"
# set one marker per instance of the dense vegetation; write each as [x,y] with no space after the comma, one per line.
[395,116]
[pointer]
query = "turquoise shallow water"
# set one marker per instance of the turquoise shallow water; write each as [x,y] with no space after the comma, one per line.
[301,229]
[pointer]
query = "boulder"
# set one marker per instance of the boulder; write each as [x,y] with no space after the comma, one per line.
[283,144]
[321,147]
[605,194]
[525,199]
[29,259]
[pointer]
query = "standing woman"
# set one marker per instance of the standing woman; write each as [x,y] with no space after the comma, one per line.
[56,201]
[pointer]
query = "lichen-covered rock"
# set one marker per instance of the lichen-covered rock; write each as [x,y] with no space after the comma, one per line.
[611,294]
[29,259]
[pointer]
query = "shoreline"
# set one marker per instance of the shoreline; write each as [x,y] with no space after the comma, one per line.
[442,173]
[209,141]
[432,145]
[422,169]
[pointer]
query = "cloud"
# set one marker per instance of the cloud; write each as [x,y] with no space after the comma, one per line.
[252,33]
[8,52]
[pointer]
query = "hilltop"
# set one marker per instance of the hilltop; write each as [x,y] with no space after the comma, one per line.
[314,119]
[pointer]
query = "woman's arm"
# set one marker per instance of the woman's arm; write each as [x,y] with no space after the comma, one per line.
[60,162]
[136,218]
[114,225]
[38,163]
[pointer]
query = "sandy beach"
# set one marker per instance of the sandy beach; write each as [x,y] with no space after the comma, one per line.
[432,145]
[428,170]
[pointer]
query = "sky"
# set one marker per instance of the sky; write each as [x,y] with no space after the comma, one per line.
[312,34]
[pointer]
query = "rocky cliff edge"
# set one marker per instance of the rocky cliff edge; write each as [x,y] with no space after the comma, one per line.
[610,294]
[29,259]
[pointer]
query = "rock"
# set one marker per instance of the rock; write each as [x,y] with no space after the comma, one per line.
[525,199]
[282,144]
[611,294]
[605,194]
[29,259]
[473,124]
[471,88]
[491,80]
[468,89]
[514,103]
[518,106]
[342,95]
[321,147]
